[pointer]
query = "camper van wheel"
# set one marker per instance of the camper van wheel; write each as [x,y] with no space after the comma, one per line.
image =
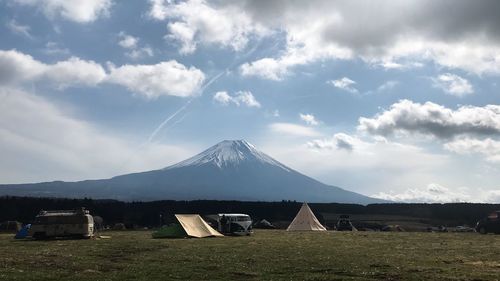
[39,235]
[482,230]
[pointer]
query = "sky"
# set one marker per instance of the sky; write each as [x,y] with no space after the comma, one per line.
[393,99]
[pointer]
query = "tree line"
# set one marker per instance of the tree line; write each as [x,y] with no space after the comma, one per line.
[155,213]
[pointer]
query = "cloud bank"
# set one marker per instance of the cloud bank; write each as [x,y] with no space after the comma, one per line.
[168,78]
[34,131]
[435,193]
[463,38]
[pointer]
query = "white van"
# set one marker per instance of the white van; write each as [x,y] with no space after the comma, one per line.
[235,224]
[74,223]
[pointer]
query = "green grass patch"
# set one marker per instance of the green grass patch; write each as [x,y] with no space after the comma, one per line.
[267,255]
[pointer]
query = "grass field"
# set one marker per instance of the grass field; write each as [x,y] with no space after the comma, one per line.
[267,255]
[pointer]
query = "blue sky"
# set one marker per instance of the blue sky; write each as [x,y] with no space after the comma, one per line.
[398,105]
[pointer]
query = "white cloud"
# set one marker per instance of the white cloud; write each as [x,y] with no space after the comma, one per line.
[75,71]
[339,141]
[309,119]
[165,78]
[432,119]
[246,97]
[184,34]
[223,98]
[131,43]
[195,21]
[322,144]
[17,28]
[40,142]
[435,193]
[388,64]
[16,67]
[140,53]
[293,130]
[239,98]
[266,68]
[152,81]
[52,48]
[344,83]
[72,10]
[127,41]
[453,84]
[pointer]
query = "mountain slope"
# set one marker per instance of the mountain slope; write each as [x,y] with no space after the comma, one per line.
[230,170]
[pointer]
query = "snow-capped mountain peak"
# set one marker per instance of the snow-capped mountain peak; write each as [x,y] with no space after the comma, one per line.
[230,170]
[229,153]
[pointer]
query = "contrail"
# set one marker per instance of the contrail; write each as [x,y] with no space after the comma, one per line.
[182,108]
[155,132]
[202,89]
[215,78]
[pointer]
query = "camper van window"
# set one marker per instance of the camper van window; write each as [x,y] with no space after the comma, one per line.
[243,218]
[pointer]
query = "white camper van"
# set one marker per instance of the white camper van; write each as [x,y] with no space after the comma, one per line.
[236,224]
[75,223]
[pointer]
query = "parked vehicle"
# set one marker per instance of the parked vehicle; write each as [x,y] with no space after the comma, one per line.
[344,224]
[235,224]
[10,226]
[463,228]
[62,223]
[264,224]
[490,224]
[440,228]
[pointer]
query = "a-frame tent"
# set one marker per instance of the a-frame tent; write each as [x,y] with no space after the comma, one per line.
[195,226]
[305,220]
[189,226]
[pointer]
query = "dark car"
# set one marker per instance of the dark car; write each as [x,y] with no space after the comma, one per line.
[490,224]
[344,224]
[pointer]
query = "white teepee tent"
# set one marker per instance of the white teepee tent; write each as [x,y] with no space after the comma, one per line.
[305,220]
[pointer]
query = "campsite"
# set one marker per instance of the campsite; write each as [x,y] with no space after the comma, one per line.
[266,255]
[192,249]
[249,140]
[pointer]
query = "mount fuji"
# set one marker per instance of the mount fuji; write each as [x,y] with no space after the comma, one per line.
[229,170]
